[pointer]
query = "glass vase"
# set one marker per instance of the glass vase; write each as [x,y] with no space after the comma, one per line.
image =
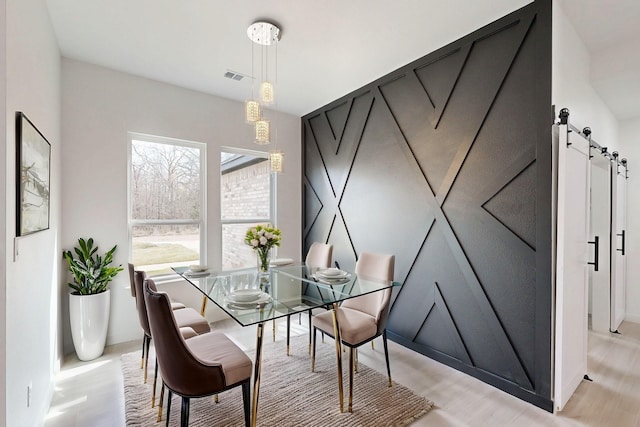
[264,257]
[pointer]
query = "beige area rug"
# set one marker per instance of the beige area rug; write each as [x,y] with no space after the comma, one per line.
[290,394]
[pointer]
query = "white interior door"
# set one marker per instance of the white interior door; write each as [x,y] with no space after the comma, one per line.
[572,276]
[618,258]
[600,230]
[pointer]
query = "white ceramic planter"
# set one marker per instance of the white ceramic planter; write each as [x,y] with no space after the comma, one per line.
[89,316]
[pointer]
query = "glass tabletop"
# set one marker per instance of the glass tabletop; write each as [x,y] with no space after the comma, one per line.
[250,297]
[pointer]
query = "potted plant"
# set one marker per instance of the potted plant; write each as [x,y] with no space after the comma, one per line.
[89,301]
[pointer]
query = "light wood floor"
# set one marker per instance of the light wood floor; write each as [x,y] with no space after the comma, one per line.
[91,393]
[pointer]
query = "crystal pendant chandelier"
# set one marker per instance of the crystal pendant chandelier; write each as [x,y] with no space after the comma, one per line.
[252,111]
[263,134]
[266,92]
[276,160]
[264,34]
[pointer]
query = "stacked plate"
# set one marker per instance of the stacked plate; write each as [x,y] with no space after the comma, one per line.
[332,276]
[197,271]
[247,298]
[280,261]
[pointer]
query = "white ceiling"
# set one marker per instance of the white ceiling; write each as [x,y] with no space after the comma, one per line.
[610,29]
[328,48]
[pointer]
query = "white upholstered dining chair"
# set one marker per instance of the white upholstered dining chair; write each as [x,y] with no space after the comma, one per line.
[318,256]
[361,319]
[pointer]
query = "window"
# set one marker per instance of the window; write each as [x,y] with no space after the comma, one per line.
[166,199]
[246,189]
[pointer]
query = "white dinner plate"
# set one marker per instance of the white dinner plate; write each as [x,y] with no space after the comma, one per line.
[281,261]
[246,295]
[191,273]
[262,299]
[333,281]
[332,273]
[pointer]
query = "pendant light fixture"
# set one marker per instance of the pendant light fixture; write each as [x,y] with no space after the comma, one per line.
[266,92]
[252,111]
[266,35]
[276,159]
[263,132]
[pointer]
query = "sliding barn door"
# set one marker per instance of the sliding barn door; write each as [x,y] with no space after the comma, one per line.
[600,278]
[572,273]
[618,258]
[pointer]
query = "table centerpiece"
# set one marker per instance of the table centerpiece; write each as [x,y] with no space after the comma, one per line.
[262,238]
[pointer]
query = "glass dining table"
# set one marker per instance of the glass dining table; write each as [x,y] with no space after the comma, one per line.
[252,298]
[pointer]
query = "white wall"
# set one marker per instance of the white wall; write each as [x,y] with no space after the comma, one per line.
[33,87]
[99,107]
[4,205]
[630,149]
[571,87]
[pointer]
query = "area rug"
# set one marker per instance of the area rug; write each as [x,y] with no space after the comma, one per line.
[290,394]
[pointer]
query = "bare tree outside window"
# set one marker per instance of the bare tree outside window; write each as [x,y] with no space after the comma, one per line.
[166,181]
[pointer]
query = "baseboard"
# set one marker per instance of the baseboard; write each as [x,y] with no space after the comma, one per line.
[633,318]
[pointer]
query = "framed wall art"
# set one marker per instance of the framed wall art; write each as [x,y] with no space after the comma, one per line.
[33,160]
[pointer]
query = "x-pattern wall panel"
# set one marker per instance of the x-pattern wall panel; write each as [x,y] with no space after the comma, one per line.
[439,163]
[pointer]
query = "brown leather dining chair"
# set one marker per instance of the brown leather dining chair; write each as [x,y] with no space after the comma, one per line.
[132,269]
[364,318]
[201,366]
[188,320]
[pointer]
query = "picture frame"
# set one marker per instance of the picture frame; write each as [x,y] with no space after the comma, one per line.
[33,174]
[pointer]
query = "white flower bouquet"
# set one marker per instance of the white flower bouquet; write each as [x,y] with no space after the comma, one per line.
[262,238]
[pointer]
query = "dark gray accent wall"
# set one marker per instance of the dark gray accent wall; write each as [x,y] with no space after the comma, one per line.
[446,163]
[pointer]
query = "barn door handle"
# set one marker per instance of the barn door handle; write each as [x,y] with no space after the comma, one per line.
[595,242]
[622,235]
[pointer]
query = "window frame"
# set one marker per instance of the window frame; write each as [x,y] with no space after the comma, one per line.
[272,194]
[201,222]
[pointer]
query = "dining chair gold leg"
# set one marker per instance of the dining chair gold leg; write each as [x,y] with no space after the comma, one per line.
[351,355]
[155,382]
[215,398]
[203,307]
[256,374]
[338,340]
[160,403]
[145,370]
[372,346]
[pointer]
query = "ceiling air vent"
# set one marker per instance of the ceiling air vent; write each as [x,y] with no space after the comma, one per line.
[233,75]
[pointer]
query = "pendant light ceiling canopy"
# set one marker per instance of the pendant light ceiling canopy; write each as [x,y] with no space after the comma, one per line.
[264,33]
